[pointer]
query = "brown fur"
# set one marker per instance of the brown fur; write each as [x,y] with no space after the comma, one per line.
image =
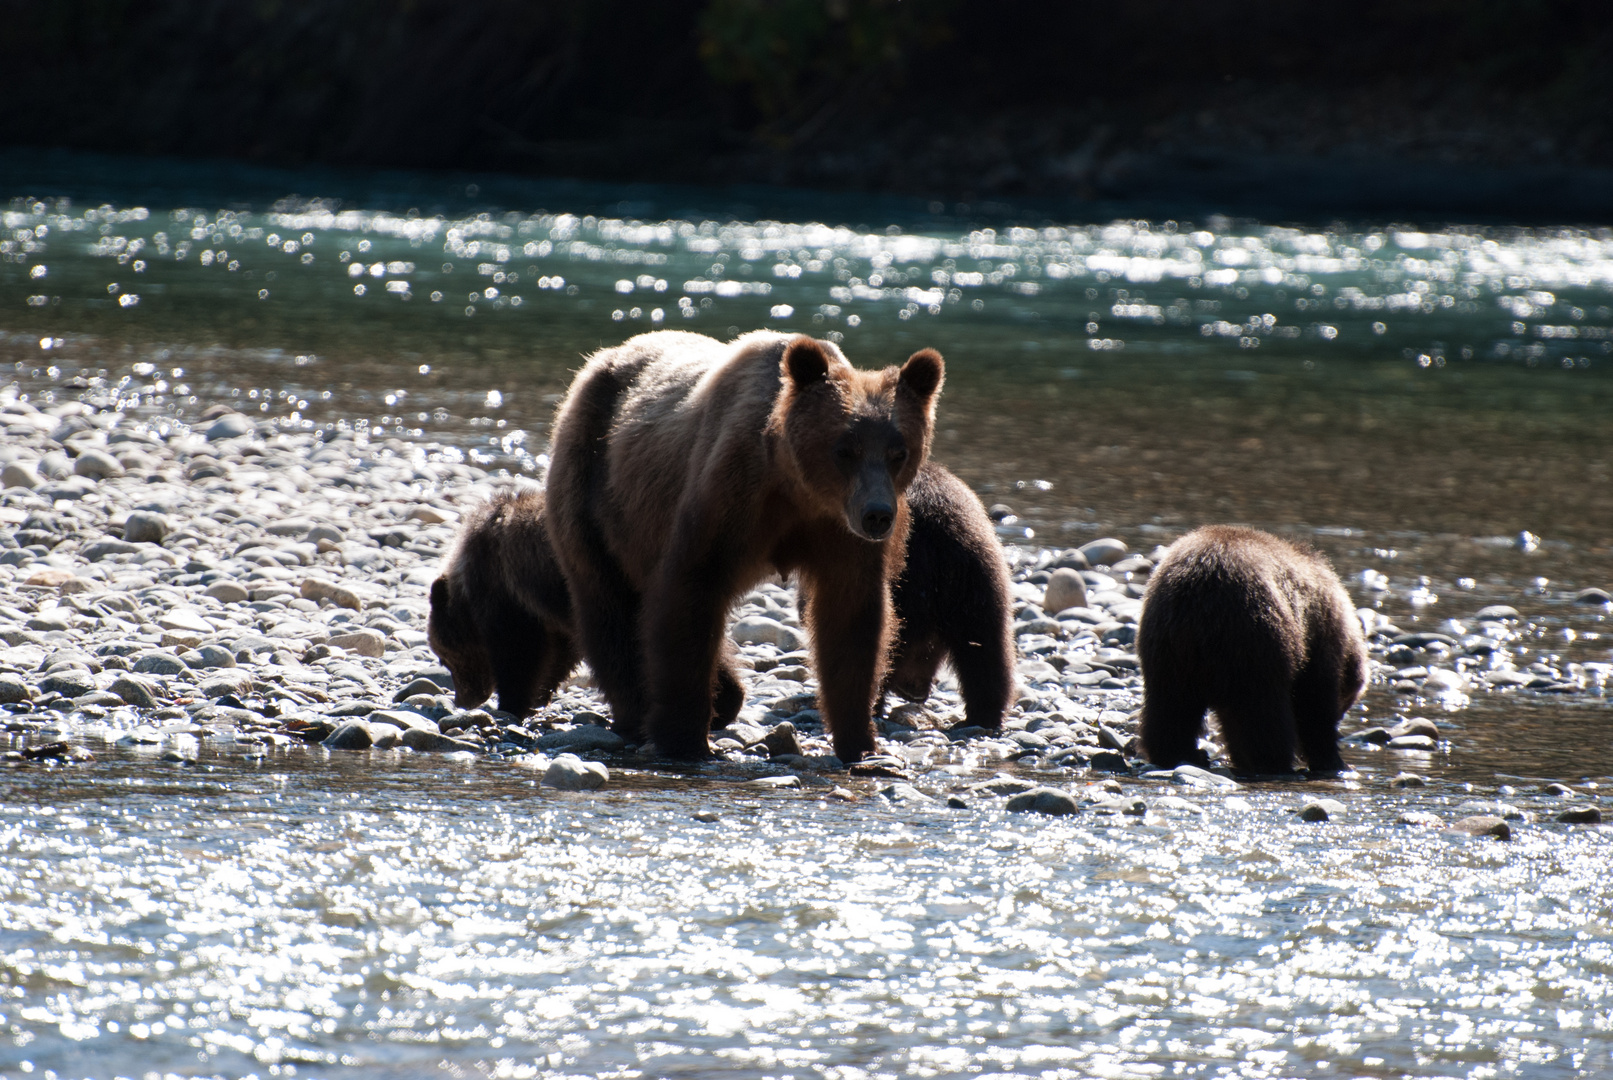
[1260,631]
[685,470]
[501,614]
[952,600]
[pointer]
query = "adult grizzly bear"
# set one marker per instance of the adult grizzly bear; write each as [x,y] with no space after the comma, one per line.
[686,469]
[1262,632]
[501,614]
[952,600]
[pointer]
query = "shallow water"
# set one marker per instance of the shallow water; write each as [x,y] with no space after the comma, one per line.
[317,914]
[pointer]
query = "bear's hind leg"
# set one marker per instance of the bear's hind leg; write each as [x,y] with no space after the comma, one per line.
[1257,727]
[1171,724]
[985,669]
[1317,711]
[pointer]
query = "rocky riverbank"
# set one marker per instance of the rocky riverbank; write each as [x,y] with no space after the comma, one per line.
[233,587]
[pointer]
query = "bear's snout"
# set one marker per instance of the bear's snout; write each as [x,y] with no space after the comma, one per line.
[877,520]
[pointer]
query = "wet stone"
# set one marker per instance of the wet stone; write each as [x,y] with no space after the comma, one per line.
[135,691]
[567,772]
[1580,815]
[1320,810]
[1408,780]
[1484,825]
[13,690]
[1043,800]
[146,527]
[1421,819]
[905,795]
[583,738]
[1413,742]
[781,741]
[417,686]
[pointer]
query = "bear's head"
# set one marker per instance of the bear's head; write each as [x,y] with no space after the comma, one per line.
[855,439]
[454,638]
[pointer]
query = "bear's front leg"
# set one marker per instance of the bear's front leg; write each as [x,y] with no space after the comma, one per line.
[849,613]
[684,616]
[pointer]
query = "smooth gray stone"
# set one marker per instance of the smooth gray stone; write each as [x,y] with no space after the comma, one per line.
[13,689]
[237,681]
[69,684]
[432,742]
[20,474]
[137,692]
[1580,815]
[97,465]
[781,741]
[159,663]
[404,719]
[55,619]
[1130,806]
[586,737]
[230,426]
[353,735]
[207,657]
[1065,589]
[146,527]
[1104,552]
[1484,825]
[418,686]
[1320,810]
[1002,785]
[228,592]
[102,548]
[1496,613]
[1043,800]
[905,794]
[570,773]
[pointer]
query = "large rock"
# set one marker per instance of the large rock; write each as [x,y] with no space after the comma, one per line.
[97,465]
[1484,825]
[23,474]
[1065,589]
[432,742]
[230,426]
[228,592]
[137,692]
[1104,552]
[159,663]
[364,641]
[237,681]
[146,527]
[760,630]
[582,737]
[1043,800]
[353,735]
[317,589]
[568,772]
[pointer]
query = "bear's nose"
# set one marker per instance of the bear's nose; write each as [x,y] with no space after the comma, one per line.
[877,521]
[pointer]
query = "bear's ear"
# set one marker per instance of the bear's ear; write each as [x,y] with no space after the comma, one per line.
[804,361]
[923,373]
[439,594]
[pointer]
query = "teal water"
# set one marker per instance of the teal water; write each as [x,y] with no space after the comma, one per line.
[1408,398]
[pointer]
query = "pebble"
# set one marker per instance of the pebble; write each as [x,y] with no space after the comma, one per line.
[1408,780]
[317,589]
[905,795]
[353,735]
[1043,800]
[97,465]
[230,426]
[20,474]
[228,592]
[134,691]
[781,741]
[1413,742]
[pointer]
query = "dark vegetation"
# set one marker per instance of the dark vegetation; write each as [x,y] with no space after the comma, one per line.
[950,99]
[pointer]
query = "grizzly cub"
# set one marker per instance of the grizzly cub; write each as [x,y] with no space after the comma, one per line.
[687,469]
[501,615]
[952,600]
[1263,633]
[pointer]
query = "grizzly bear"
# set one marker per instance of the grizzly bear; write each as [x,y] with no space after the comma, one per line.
[501,615]
[952,600]
[1260,631]
[686,469]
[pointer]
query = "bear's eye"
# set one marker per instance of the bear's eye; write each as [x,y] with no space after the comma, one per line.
[897,455]
[845,452]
